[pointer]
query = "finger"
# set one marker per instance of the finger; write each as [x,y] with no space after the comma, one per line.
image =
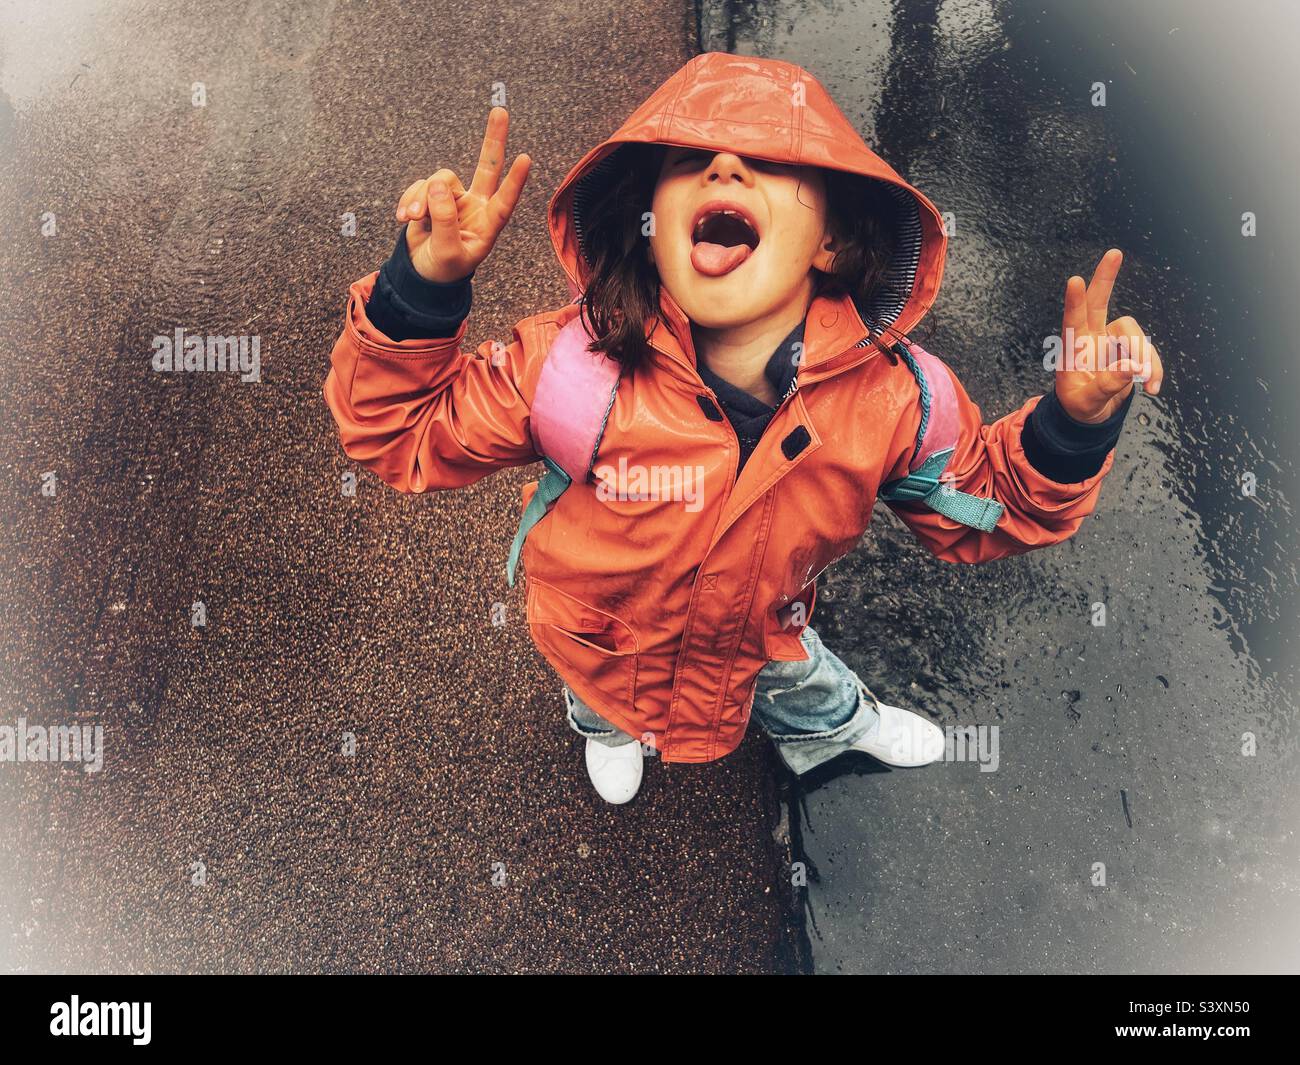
[453,182]
[1140,356]
[1120,376]
[411,203]
[1103,282]
[449,178]
[492,154]
[1075,321]
[503,203]
[1145,367]
[444,218]
[1126,340]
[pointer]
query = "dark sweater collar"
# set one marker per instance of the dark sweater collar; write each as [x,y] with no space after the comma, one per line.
[781,368]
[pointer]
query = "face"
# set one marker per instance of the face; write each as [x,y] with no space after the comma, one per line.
[736,237]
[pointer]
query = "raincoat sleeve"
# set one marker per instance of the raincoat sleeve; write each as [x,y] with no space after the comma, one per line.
[990,461]
[421,413]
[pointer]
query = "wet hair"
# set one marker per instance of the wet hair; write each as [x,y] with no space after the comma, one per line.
[621,284]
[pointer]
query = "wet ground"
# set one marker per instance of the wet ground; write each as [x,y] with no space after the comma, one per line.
[1119,745]
[229,829]
[462,833]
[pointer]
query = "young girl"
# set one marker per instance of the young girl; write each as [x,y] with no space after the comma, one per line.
[748,271]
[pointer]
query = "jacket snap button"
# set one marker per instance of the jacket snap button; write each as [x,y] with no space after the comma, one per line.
[795,442]
[710,410]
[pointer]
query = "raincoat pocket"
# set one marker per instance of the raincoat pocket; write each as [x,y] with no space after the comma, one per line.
[784,626]
[589,647]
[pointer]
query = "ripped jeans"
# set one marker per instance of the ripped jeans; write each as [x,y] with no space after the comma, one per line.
[813,710]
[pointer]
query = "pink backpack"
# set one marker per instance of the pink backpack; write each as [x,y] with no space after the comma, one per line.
[576,391]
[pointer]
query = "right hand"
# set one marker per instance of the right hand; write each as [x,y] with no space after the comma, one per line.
[450,230]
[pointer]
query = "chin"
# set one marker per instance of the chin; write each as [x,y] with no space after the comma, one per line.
[726,308]
[750,292]
[718,318]
[720,302]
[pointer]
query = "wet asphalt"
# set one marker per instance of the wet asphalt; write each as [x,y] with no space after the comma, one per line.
[462,834]
[1143,814]
[229,829]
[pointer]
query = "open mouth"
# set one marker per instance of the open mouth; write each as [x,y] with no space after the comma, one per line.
[722,238]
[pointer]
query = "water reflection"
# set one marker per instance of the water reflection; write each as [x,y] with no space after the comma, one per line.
[1122,743]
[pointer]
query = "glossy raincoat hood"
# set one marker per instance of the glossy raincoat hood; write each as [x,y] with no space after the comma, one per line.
[768,109]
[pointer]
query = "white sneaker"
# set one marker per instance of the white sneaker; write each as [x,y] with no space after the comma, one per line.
[615,771]
[902,738]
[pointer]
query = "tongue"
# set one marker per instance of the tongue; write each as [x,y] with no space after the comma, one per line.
[718,259]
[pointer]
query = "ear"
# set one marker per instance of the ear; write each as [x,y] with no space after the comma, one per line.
[825,257]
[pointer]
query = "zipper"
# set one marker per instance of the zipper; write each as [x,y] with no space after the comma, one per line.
[794,387]
[713,398]
[794,383]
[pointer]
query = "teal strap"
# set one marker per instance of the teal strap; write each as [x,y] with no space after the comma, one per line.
[925,486]
[549,489]
[966,509]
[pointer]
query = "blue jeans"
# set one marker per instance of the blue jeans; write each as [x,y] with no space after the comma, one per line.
[813,710]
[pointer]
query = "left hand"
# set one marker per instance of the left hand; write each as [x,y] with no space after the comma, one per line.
[1099,368]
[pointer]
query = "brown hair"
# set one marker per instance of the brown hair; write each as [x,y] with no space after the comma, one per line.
[621,285]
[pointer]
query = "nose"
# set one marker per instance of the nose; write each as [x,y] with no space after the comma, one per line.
[727,166]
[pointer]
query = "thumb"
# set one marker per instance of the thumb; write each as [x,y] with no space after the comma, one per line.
[444,218]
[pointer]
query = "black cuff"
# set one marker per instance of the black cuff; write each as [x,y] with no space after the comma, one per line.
[1065,450]
[404,306]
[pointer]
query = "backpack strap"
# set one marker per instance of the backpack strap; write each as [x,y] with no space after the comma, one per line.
[936,440]
[575,393]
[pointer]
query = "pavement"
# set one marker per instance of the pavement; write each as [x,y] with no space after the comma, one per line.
[1134,689]
[350,766]
[359,763]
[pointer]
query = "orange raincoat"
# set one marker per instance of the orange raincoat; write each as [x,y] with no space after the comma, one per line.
[660,617]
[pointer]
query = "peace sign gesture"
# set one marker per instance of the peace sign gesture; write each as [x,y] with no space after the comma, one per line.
[451,229]
[1101,359]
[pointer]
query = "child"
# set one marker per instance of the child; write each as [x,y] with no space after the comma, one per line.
[748,272]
